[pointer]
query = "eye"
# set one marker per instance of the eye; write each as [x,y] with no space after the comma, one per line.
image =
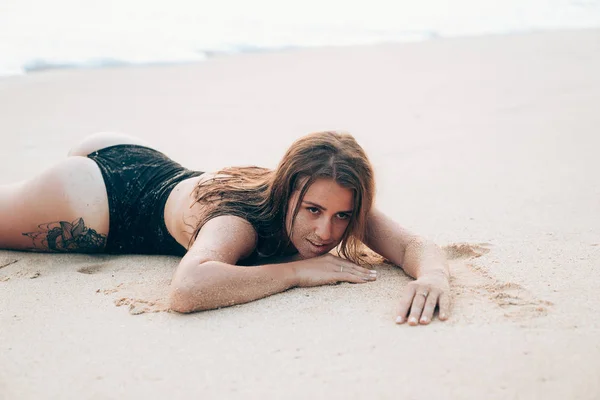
[313,210]
[343,216]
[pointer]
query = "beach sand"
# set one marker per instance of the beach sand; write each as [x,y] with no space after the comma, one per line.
[489,146]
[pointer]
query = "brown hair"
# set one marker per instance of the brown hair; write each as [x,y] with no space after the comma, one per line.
[261,196]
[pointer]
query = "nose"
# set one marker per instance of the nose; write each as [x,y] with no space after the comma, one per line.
[324,230]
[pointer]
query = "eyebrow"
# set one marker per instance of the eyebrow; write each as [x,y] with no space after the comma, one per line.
[323,208]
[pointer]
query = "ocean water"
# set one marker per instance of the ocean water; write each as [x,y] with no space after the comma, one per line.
[43,34]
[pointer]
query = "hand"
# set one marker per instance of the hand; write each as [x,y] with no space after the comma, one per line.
[421,296]
[328,269]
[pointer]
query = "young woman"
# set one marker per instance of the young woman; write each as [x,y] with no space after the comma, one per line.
[116,194]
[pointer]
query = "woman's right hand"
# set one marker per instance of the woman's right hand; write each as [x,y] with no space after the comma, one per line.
[329,269]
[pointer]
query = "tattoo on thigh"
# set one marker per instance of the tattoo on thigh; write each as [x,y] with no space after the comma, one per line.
[63,236]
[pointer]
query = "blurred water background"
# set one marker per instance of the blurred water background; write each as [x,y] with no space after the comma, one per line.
[42,34]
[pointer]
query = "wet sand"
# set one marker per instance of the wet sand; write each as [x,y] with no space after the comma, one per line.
[489,146]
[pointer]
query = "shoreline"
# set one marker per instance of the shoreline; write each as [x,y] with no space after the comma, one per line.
[210,55]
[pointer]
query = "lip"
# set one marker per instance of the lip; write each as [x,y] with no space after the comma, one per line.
[320,247]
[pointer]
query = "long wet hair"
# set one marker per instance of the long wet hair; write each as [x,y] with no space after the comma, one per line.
[261,196]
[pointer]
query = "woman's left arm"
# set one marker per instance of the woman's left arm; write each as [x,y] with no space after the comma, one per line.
[419,258]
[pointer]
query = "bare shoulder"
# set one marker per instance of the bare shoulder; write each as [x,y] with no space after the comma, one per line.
[226,238]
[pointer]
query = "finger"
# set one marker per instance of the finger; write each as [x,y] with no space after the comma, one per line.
[346,272]
[366,274]
[444,303]
[353,278]
[351,266]
[417,307]
[429,308]
[354,275]
[405,302]
[362,269]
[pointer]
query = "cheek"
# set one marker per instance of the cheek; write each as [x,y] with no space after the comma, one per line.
[340,229]
[302,224]
[295,228]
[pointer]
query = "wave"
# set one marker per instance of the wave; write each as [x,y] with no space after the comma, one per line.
[38,35]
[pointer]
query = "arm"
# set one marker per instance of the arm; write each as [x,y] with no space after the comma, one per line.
[416,255]
[208,278]
[215,284]
[419,258]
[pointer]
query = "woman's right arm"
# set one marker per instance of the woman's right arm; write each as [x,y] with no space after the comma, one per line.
[208,278]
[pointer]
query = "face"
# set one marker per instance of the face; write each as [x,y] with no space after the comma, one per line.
[322,218]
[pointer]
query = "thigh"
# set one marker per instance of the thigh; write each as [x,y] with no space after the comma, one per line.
[65,208]
[100,140]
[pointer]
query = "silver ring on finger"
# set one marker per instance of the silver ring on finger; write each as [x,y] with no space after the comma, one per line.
[424,294]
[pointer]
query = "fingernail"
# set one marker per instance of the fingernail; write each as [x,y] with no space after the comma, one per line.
[412,320]
[424,320]
[399,319]
[443,316]
[373,271]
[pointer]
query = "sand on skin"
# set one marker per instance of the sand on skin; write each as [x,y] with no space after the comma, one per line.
[487,145]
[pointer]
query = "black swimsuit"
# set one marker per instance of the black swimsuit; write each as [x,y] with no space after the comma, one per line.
[138,182]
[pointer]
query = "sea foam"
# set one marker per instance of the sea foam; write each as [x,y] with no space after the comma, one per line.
[37,34]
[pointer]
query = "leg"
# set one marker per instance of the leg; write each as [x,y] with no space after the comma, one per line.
[100,140]
[65,208]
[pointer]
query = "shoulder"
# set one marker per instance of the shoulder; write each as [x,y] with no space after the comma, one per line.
[225,238]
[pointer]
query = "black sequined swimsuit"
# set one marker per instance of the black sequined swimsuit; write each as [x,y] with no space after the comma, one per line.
[138,182]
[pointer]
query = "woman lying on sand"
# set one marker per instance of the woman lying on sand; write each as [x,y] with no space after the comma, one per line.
[115,194]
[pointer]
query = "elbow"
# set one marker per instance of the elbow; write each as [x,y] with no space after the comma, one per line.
[185,301]
[195,288]
[180,300]
[187,294]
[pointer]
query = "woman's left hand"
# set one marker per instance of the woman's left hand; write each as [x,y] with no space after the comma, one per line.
[420,298]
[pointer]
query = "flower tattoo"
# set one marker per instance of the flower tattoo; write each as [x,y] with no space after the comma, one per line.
[63,236]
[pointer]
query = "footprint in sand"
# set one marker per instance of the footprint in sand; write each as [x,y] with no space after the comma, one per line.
[515,301]
[92,269]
